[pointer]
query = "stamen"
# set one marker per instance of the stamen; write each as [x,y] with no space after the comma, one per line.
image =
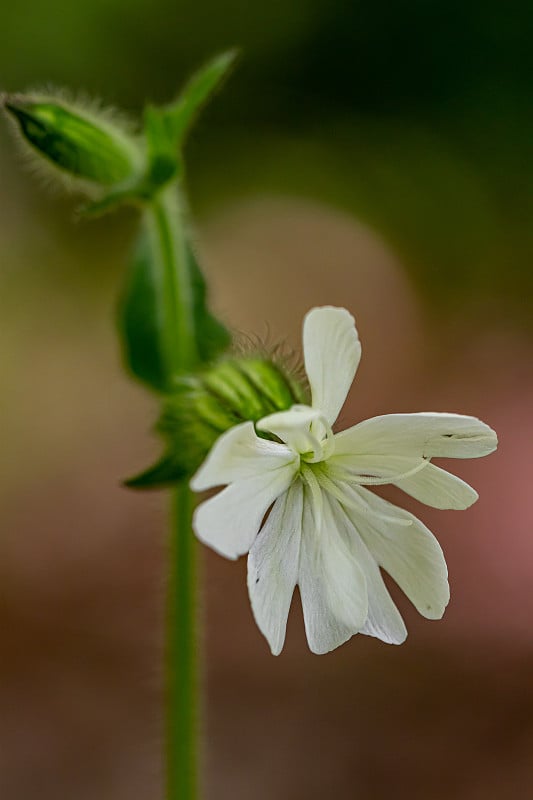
[325,442]
[295,428]
[328,444]
[314,448]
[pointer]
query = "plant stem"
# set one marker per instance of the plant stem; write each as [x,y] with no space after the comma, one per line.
[166,220]
[181,656]
[167,227]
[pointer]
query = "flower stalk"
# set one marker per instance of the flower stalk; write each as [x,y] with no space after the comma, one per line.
[166,329]
[166,225]
[165,221]
[167,332]
[181,662]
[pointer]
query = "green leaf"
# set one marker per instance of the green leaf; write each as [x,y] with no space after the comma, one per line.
[165,127]
[181,114]
[141,319]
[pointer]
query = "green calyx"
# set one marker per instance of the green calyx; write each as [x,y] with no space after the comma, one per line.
[233,391]
[84,144]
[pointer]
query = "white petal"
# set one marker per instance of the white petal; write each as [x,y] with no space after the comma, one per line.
[384,620]
[332,352]
[238,454]
[429,484]
[229,522]
[273,566]
[409,553]
[438,488]
[332,584]
[427,434]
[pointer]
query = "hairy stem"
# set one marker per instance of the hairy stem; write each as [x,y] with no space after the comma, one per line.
[167,233]
[181,656]
[168,236]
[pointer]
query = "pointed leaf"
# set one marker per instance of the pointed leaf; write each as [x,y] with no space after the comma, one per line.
[140,319]
[181,113]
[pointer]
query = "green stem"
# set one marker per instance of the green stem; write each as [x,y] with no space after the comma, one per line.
[168,236]
[181,658]
[167,229]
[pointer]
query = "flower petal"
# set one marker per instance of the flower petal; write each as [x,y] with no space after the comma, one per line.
[273,566]
[239,454]
[438,488]
[332,584]
[409,553]
[424,481]
[332,352]
[384,621]
[425,435]
[229,521]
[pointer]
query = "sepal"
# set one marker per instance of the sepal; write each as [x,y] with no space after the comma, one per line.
[167,471]
[230,392]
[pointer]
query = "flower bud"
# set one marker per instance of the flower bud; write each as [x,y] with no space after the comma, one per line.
[84,144]
[208,404]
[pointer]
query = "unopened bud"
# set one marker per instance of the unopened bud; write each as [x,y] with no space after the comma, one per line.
[84,144]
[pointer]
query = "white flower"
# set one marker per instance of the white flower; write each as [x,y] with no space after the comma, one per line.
[326,532]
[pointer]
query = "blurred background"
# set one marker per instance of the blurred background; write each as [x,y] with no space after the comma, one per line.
[371,154]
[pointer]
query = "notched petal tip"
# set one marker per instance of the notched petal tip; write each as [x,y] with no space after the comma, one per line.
[481,440]
[463,435]
[329,311]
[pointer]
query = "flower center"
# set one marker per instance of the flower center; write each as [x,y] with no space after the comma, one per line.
[304,429]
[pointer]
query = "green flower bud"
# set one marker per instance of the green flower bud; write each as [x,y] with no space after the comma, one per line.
[88,145]
[208,404]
